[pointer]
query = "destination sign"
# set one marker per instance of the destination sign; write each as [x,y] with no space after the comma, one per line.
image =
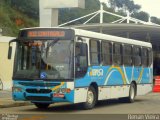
[47,33]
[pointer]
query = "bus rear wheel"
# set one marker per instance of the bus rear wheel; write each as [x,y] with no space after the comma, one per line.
[132,93]
[41,105]
[91,98]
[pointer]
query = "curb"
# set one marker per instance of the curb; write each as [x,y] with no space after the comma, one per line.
[15,105]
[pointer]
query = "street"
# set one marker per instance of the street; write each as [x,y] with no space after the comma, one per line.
[148,104]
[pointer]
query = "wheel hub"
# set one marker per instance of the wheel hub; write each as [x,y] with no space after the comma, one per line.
[132,93]
[90,97]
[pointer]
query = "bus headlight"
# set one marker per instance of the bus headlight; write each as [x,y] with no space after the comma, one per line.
[63,90]
[16,89]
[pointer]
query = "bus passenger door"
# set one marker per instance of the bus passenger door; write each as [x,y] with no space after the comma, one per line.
[96,72]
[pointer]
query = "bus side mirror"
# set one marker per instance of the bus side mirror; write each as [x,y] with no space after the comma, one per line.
[10,52]
[10,48]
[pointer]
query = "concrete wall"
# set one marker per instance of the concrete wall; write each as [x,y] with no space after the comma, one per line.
[49,10]
[63,3]
[6,66]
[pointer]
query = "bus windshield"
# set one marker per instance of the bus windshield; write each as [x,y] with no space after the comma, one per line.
[44,59]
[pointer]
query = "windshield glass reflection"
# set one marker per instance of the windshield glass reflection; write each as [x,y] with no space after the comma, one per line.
[45,60]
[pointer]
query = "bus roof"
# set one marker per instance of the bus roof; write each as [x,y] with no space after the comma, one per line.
[100,36]
[111,38]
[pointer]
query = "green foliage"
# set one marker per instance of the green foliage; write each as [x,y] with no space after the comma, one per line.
[127,3]
[17,14]
[155,20]
[73,13]
[91,6]
[11,19]
[29,7]
[141,15]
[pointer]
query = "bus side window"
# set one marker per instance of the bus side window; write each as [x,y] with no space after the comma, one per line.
[95,52]
[117,54]
[144,57]
[150,56]
[137,56]
[127,55]
[106,53]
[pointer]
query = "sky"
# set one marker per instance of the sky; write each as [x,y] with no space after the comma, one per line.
[150,6]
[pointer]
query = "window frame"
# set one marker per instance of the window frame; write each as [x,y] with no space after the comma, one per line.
[145,58]
[110,53]
[140,56]
[86,60]
[128,55]
[98,52]
[150,57]
[120,55]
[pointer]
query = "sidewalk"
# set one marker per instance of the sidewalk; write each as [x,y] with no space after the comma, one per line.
[6,100]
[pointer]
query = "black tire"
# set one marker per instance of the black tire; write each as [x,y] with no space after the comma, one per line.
[132,93]
[41,105]
[91,98]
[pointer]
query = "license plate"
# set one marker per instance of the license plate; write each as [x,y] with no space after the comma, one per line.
[58,95]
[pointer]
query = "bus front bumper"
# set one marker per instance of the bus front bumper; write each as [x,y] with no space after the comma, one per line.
[43,97]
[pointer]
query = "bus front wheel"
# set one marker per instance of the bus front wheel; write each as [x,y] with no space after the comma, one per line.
[91,98]
[41,105]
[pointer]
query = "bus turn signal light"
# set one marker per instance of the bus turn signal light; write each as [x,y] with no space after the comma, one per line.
[68,90]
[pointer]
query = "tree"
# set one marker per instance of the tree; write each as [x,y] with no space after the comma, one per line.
[131,6]
[155,20]
[29,7]
[141,15]
[67,14]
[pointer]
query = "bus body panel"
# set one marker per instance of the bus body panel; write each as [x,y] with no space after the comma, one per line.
[143,89]
[30,89]
[114,81]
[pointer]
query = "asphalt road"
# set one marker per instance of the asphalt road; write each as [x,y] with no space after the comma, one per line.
[148,104]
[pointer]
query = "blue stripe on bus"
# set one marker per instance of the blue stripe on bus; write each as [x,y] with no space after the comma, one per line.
[113,75]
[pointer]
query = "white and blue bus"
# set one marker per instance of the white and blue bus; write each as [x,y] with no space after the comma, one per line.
[78,66]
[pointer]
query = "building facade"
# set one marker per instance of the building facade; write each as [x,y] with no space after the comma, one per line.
[6,66]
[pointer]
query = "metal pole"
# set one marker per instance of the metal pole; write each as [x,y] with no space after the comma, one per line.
[128,16]
[101,12]
[77,19]
[149,19]
[117,20]
[91,18]
[101,19]
[114,14]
